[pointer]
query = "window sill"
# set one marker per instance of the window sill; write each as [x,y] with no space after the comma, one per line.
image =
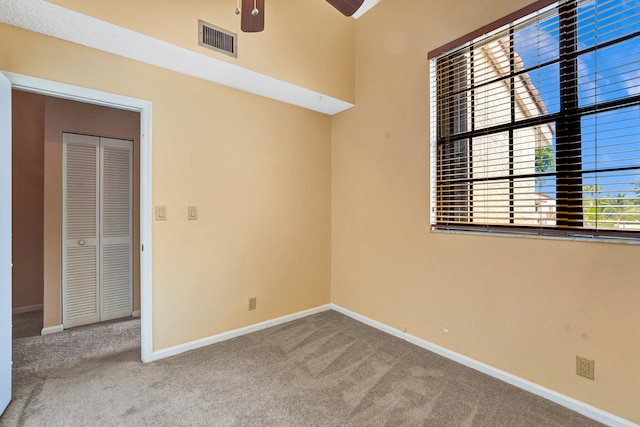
[575,237]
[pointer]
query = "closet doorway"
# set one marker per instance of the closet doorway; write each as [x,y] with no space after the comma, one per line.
[97,229]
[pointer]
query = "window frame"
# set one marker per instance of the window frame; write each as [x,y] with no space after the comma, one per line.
[570,222]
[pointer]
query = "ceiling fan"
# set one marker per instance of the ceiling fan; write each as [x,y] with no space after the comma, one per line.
[252,12]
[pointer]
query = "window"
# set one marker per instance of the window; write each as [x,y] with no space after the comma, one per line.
[536,126]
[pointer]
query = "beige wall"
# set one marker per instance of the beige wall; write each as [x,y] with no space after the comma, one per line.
[28,198]
[526,306]
[308,43]
[68,116]
[259,171]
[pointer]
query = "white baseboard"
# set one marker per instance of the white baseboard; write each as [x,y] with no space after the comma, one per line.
[136,313]
[368,321]
[27,309]
[52,330]
[181,348]
[566,401]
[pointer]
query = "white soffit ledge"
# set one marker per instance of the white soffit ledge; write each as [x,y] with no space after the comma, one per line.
[366,5]
[55,21]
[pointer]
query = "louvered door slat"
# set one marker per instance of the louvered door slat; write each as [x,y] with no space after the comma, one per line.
[80,290]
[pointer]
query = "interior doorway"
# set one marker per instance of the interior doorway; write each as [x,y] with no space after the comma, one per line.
[8,82]
[41,124]
[143,248]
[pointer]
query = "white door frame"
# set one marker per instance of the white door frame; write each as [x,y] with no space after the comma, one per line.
[90,96]
[5,243]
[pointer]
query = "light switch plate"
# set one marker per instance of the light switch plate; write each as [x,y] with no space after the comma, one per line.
[192,212]
[161,213]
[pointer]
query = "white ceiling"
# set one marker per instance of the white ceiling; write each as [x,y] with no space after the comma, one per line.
[368,4]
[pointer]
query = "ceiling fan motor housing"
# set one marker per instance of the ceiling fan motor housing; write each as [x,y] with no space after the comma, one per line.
[252,12]
[250,21]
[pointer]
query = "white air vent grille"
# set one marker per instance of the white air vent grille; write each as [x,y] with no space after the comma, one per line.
[217,39]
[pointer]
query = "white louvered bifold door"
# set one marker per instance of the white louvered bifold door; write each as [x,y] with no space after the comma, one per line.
[80,222]
[116,238]
[97,231]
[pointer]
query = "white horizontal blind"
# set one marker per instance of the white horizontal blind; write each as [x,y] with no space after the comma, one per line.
[537,126]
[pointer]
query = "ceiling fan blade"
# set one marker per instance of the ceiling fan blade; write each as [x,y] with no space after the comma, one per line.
[248,22]
[346,7]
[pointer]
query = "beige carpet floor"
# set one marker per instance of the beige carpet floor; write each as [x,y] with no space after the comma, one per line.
[27,324]
[323,370]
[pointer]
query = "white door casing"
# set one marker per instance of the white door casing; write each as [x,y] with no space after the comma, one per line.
[82,94]
[5,242]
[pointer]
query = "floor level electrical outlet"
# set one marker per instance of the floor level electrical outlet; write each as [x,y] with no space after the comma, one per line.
[585,367]
[252,303]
